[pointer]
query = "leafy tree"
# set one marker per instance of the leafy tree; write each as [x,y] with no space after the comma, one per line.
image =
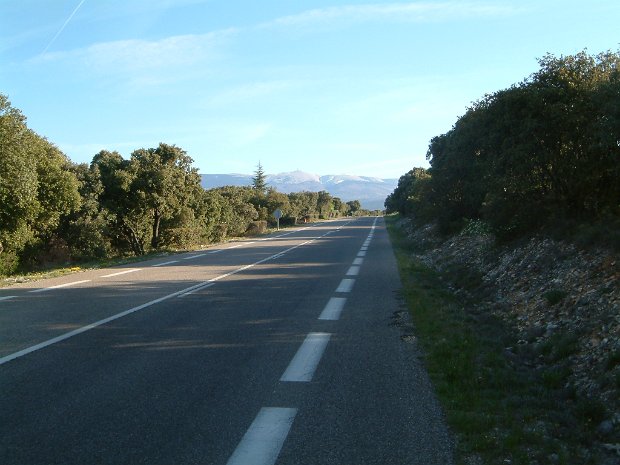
[354,206]
[325,204]
[36,189]
[340,207]
[86,229]
[128,223]
[543,150]
[304,204]
[164,181]
[237,210]
[19,202]
[411,196]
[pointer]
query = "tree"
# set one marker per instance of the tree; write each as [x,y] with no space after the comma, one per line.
[129,226]
[259,180]
[325,205]
[354,206]
[36,188]
[18,185]
[164,181]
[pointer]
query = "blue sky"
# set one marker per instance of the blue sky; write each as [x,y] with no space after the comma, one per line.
[328,87]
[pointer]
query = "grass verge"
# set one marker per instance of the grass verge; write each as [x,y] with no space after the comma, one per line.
[500,409]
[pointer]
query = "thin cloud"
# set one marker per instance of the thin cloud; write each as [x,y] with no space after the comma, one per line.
[401,12]
[145,62]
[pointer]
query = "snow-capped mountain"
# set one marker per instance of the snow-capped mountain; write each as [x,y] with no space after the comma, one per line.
[371,192]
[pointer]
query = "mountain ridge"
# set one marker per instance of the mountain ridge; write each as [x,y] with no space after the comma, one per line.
[370,191]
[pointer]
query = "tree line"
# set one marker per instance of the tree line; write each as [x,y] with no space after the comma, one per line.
[543,152]
[53,210]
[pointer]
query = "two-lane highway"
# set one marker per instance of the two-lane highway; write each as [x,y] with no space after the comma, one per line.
[274,350]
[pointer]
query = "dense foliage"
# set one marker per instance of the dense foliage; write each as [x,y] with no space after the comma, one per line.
[52,210]
[543,152]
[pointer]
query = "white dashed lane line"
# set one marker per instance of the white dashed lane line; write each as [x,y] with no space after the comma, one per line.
[195,256]
[45,289]
[121,272]
[165,263]
[346,285]
[353,271]
[333,309]
[263,440]
[307,358]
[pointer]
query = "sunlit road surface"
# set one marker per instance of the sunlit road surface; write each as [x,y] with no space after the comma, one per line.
[272,350]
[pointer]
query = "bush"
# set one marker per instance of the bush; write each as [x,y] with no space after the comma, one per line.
[256,227]
[180,237]
[9,261]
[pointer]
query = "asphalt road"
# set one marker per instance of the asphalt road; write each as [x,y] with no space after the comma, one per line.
[279,350]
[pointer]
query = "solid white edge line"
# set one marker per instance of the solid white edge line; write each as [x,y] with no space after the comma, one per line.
[307,358]
[7,297]
[83,329]
[35,291]
[199,288]
[121,272]
[333,309]
[262,442]
[345,285]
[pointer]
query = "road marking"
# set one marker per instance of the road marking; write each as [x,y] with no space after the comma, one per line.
[353,271]
[199,288]
[195,256]
[307,358]
[83,329]
[121,272]
[235,246]
[216,251]
[358,261]
[7,297]
[364,248]
[263,441]
[166,263]
[345,285]
[59,286]
[333,309]
[361,253]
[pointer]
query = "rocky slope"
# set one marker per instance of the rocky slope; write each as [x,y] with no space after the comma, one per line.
[563,303]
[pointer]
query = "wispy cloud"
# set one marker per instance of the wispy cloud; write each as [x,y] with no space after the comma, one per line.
[253,91]
[144,62]
[401,12]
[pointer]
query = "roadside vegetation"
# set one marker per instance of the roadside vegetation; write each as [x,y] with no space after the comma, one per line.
[501,408]
[54,212]
[538,161]
[543,154]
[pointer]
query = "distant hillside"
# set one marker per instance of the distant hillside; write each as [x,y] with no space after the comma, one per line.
[371,192]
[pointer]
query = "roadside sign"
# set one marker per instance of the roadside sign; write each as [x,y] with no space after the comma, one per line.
[277,215]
